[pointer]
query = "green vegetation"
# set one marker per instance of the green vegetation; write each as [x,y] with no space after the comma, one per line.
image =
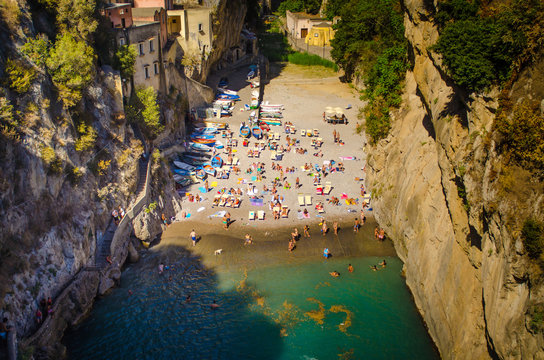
[36,50]
[536,312]
[73,173]
[124,60]
[310,60]
[20,75]
[71,64]
[87,137]
[11,14]
[144,110]
[480,45]
[103,166]
[309,6]
[9,125]
[78,15]
[370,38]
[50,158]
[151,207]
[533,237]
[523,134]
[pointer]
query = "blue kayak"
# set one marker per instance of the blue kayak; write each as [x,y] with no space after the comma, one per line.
[245,131]
[217,162]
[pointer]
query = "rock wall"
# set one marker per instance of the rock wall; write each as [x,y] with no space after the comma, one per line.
[464,261]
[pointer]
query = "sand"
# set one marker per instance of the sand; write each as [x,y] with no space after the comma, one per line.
[304,92]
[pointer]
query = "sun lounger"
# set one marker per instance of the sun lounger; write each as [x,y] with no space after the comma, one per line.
[308,199]
[367,198]
[321,210]
[284,211]
[277,209]
[301,200]
[260,214]
[230,201]
[303,132]
[309,133]
[300,215]
[328,188]
[276,136]
[237,202]
[223,200]
[319,190]
[216,200]
[316,132]
[273,155]
[251,215]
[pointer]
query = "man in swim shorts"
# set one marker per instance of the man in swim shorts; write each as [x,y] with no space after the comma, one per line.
[193,237]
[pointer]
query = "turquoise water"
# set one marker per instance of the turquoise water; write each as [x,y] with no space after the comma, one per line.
[295,311]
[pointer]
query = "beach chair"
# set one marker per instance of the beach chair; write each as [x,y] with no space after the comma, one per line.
[309,133]
[328,188]
[273,155]
[223,200]
[276,136]
[301,200]
[308,199]
[316,132]
[276,209]
[237,202]
[216,200]
[235,161]
[251,215]
[321,210]
[319,190]
[260,214]
[367,198]
[303,132]
[284,211]
[319,141]
[230,201]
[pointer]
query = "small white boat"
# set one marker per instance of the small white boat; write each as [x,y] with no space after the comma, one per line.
[219,145]
[184,166]
[227,91]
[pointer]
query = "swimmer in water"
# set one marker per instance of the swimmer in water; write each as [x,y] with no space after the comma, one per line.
[374,268]
[383,263]
[214,305]
[350,268]
[130,293]
[188,298]
[334,273]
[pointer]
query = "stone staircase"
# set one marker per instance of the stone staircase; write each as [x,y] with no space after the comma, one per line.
[104,244]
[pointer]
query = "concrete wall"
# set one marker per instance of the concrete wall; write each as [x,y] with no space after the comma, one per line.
[167,4]
[300,45]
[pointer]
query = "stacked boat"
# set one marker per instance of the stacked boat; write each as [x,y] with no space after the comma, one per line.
[271,114]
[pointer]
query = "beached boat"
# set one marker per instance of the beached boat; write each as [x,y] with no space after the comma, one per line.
[184,166]
[257,132]
[183,179]
[272,106]
[217,162]
[271,121]
[201,174]
[210,170]
[271,114]
[227,91]
[202,136]
[205,131]
[245,131]
[197,156]
[228,97]
[183,172]
[217,125]
[209,142]
[200,147]
[194,162]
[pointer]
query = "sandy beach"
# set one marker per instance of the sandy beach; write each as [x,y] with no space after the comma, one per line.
[304,94]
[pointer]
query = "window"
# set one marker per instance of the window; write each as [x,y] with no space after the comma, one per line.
[122,41]
[156,68]
[141,48]
[151,47]
[174,21]
[200,27]
[316,34]
[121,12]
[146,71]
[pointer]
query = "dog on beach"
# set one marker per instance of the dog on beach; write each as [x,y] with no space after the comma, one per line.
[218,252]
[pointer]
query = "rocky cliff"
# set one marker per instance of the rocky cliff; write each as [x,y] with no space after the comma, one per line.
[452,211]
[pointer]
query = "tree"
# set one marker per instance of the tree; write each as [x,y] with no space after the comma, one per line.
[77,15]
[125,57]
[37,49]
[20,75]
[309,6]
[144,110]
[71,64]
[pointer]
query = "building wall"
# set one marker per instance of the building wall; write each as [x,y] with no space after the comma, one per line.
[295,24]
[160,17]
[167,4]
[117,14]
[147,55]
[198,29]
[320,36]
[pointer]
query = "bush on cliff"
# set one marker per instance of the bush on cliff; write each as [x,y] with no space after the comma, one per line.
[522,134]
[533,237]
[71,64]
[125,56]
[144,110]
[36,50]
[20,75]
[481,44]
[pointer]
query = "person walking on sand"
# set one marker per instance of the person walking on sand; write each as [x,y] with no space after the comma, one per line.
[362,217]
[306,231]
[335,227]
[334,135]
[225,222]
[206,186]
[297,183]
[193,236]
[324,228]
[356,225]
[376,232]
[248,240]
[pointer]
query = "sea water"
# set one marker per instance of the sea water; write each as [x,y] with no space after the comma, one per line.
[287,311]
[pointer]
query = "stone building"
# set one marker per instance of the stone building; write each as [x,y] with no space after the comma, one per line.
[120,15]
[299,24]
[166,4]
[152,14]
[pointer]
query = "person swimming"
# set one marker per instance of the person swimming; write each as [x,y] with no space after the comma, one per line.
[374,268]
[334,273]
[214,305]
[350,268]
[383,263]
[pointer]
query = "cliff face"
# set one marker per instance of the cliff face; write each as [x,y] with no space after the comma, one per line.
[440,195]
